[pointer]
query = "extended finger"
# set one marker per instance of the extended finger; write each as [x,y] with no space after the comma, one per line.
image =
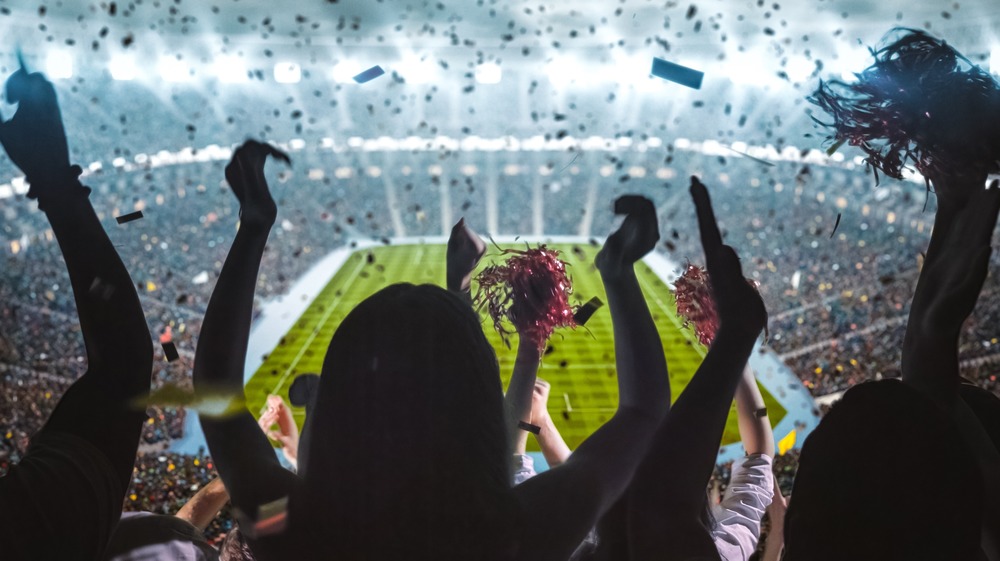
[711,239]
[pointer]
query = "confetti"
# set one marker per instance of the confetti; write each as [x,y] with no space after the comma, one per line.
[533,429]
[369,75]
[129,217]
[170,351]
[835,226]
[584,312]
[676,73]
[745,155]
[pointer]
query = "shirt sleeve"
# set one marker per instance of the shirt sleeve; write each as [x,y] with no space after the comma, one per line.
[750,491]
[524,468]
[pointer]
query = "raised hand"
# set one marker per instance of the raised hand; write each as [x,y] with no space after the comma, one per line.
[245,174]
[539,402]
[739,305]
[277,413]
[34,137]
[465,249]
[636,237]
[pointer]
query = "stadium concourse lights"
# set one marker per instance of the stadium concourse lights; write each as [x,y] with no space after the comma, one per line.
[173,69]
[287,73]
[231,69]
[345,71]
[59,65]
[489,73]
[122,68]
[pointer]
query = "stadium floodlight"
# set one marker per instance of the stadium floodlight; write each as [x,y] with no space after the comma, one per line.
[173,69]
[59,65]
[850,61]
[418,70]
[287,73]
[231,69]
[345,71]
[489,73]
[799,68]
[123,68]
[634,71]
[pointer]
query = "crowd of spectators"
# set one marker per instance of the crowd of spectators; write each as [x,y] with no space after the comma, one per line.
[837,299]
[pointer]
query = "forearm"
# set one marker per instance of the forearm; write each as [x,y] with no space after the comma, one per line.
[553,446]
[517,400]
[643,382]
[751,413]
[687,442]
[205,505]
[222,345]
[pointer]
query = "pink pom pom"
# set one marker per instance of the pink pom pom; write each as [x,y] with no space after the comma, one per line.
[531,291]
[695,305]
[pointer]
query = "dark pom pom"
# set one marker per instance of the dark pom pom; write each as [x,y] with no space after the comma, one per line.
[921,103]
[531,291]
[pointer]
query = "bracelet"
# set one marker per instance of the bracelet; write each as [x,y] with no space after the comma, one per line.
[762,412]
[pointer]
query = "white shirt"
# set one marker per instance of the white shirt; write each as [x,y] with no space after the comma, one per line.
[750,490]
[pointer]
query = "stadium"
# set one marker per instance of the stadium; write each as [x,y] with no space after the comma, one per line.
[526,119]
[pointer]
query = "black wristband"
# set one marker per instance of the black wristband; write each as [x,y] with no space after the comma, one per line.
[762,412]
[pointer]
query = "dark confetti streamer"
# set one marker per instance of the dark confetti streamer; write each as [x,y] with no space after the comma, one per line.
[587,310]
[676,73]
[129,217]
[170,352]
[758,160]
[369,75]
[921,103]
[835,226]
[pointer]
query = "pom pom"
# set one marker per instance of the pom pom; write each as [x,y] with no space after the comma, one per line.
[695,305]
[531,291]
[920,103]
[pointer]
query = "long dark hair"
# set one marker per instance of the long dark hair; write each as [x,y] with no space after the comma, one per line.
[406,450]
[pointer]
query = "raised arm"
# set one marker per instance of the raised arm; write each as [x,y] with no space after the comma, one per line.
[245,459]
[561,505]
[553,446]
[667,497]
[465,249]
[751,414]
[205,505]
[99,407]
[953,274]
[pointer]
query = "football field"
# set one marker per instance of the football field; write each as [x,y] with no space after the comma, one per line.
[580,364]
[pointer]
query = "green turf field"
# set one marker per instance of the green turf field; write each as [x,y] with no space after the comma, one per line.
[580,365]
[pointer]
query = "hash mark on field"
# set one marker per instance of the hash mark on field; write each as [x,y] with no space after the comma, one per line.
[312,336]
[418,256]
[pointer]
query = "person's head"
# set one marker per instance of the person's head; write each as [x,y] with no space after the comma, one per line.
[407,436]
[884,477]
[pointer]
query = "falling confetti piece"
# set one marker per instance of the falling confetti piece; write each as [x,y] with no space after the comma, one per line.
[369,75]
[584,312]
[676,73]
[745,155]
[835,226]
[170,352]
[129,217]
